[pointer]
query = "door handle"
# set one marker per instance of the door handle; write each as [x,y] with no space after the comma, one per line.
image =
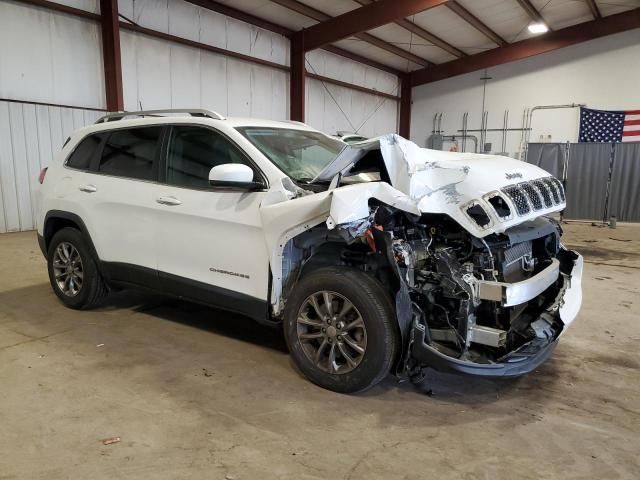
[171,201]
[88,189]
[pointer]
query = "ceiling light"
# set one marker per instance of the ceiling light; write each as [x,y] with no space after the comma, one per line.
[538,28]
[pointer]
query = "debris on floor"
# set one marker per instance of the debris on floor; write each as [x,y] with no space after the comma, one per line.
[109,441]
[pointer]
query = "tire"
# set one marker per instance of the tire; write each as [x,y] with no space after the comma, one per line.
[305,330]
[88,289]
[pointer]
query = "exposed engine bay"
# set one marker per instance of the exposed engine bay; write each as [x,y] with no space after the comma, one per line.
[440,263]
[442,276]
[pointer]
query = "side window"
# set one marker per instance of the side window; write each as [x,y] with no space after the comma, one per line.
[81,157]
[131,153]
[193,151]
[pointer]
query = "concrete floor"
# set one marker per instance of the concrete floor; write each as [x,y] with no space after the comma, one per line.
[198,393]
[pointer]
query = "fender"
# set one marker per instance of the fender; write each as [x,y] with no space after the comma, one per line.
[287,219]
[44,240]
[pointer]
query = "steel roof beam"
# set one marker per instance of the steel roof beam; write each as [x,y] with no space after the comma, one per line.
[319,16]
[595,11]
[287,32]
[549,42]
[532,11]
[363,19]
[475,22]
[422,33]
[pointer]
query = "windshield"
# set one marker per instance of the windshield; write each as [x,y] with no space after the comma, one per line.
[300,154]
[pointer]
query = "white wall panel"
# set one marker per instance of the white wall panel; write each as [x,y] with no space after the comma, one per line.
[340,68]
[213,29]
[213,81]
[30,136]
[7,173]
[153,69]
[369,114]
[185,76]
[331,108]
[92,6]
[280,95]
[162,74]
[186,20]
[20,166]
[33,161]
[152,14]
[49,57]
[601,73]
[239,88]
[129,61]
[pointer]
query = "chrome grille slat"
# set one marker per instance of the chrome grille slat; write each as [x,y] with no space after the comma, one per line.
[553,189]
[518,198]
[544,191]
[535,195]
[560,188]
[532,195]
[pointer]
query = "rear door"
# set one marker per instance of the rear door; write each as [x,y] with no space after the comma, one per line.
[211,246]
[119,197]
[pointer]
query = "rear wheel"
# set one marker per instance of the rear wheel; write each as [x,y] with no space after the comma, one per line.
[73,272]
[341,329]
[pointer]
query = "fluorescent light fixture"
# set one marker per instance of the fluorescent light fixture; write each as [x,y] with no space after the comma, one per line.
[538,28]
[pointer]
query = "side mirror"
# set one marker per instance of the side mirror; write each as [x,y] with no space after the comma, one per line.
[233,175]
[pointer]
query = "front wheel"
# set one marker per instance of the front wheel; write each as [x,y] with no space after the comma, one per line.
[341,329]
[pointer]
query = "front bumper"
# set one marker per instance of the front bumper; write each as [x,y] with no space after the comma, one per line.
[529,356]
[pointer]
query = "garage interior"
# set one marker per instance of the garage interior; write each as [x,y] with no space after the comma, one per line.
[151,387]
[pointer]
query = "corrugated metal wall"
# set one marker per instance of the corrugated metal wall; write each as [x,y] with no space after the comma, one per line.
[30,135]
[332,108]
[55,58]
[159,73]
[50,57]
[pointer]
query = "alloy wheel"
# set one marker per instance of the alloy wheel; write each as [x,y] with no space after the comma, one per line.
[67,269]
[331,332]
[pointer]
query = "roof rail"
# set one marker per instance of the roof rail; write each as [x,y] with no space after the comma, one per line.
[194,112]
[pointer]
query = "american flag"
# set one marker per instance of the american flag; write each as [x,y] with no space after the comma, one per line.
[609,126]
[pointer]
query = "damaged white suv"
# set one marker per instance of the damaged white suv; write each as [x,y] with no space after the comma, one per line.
[375,258]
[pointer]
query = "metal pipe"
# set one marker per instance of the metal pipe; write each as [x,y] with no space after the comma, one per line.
[543,107]
[464,138]
[505,124]
[494,130]
[486,124]
[525,114]
[465,119]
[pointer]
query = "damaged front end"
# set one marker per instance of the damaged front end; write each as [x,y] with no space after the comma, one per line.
[491,306]
[464,242]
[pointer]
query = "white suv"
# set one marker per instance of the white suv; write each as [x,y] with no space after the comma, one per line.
[374,257]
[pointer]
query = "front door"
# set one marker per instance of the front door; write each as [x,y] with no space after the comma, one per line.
[211,246]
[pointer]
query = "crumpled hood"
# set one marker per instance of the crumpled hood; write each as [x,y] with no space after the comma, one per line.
[452,182]
[432,176]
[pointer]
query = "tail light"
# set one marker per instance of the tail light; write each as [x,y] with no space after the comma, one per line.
[43,172]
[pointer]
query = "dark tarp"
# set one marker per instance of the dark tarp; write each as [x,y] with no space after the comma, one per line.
[587,180]
[548,156]
[624,197]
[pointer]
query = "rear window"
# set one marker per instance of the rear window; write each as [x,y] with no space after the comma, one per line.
[81,157]
[131,153]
